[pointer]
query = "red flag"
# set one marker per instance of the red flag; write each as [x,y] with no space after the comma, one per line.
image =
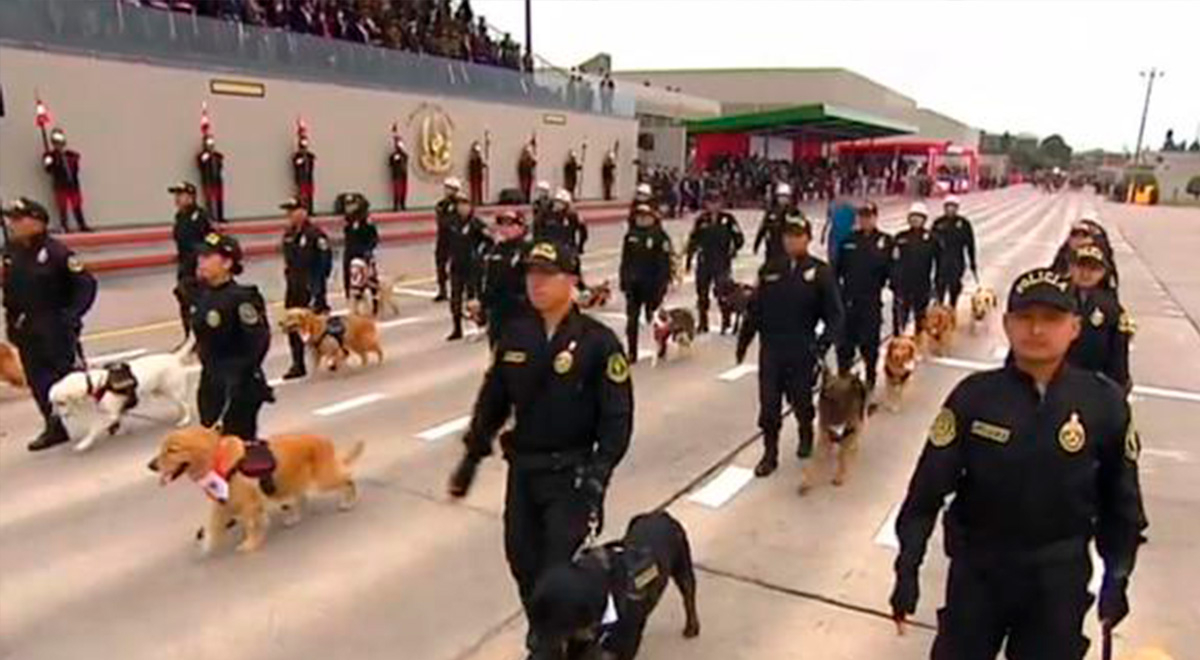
[42,117]
[205,124]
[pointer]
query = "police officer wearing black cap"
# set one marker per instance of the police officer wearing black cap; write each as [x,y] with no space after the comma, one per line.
[307,262]
[646,256]
[1103,343]
[1087,231]
[914,254]
[715,240]
[466,241]
[232,339]
[192,225]
[443,217]
[770,230]
[47,292]
[360,236]
[503,291]
[565,378]
[794,293]
[1041,458]
[956,250]
[863,268]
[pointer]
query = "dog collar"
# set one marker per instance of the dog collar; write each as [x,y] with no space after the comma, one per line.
[222,466]
[215,486]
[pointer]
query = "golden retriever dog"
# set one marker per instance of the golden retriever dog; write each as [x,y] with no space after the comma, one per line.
[899,363]
[938,330]
[983,302]
[11,371]
[333,339]
[303,463]
[841,417]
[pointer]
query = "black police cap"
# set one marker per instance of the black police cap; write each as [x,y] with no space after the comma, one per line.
[23,207]
[1091,253]
[797,224]
[1042,286]
[182,187]
[553,255]
[224,245]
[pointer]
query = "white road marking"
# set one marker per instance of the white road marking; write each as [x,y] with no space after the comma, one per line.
[396,323]
[616,316]
[957,363]
[420,293]
[276,382]
[737,372]
[116,357]
[440,431]
[646,354]
[348,404]
[886,536]
[1170,454]
[723,487]
[1167,393]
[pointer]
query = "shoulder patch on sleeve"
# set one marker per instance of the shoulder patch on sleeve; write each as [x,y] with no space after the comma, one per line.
[1133,443]
[944,429]
[618,368]
[1126,324]
[248,314]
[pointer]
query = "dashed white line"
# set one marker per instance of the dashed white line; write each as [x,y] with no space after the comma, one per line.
[115,357]
[396,323]
[1167,393]
[348,404]
[957,363]
[723,487]
[420,293]
[1169,454]
[886,536]
[440,431]
[738,372]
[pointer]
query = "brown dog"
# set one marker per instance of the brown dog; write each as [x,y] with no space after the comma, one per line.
[303,463]
[11,371]
[841,417]
[938,330]
[899,362]
[333,340]
[983,301]
[595,296]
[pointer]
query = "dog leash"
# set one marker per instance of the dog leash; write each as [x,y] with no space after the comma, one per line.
[1106,641]
[87,372]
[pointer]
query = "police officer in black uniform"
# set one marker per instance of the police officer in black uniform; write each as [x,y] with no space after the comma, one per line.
[956,250]
[1087,231]
[360,236]
[47,292]
[565,378]
[541,205]
[770,230]
[1103,343]
[444,216]
[232,339]
[715,240]
[1041,458]
[914,253]
[561,224]
[863,267]
[466,241]
[307,262]
[645,272]
[503,292]
[192,225]
[794,293]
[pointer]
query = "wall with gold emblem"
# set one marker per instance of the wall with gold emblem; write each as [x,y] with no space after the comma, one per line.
[137,128]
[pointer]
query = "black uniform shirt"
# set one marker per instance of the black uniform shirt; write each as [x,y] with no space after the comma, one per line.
[307,260]
[47,291]
[466,240]
[770,230]
[1028,470]
[63,166]
[303,164]
[398,163]
[716,237]
[211,163]
[566,228]
[570,393]
[956,244]
[504,276]
[1103,342]
[232,334]
[864,265]
[913,255]
[360,237]
[444,213]
[646,257]
[791,297]
[192,224]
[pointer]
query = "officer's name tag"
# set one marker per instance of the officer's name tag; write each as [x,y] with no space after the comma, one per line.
[514,357]
[997,434]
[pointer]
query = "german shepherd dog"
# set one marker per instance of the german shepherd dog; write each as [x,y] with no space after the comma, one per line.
[841,417]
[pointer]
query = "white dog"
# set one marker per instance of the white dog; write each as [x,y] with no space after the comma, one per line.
[162,375]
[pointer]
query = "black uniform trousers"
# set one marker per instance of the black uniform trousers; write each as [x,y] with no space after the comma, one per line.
[909,304]
[641,298]
[1038,607]
[235,403]
[948,284]
[186,288]
[785,373]
[464,285]
[864,319]
[545,522]
[46,358]
[441,263]
[707,277]
[296,295]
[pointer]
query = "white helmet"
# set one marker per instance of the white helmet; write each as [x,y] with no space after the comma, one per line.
[452,182]
[951,199]
[643,189]
[783,190]
[543,185]
[1089,215]
[918,208]
[563,195]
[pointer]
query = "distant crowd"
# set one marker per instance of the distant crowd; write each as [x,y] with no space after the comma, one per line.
[432,27]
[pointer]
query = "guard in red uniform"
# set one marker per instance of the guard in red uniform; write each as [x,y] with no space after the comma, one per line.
[63,165]
[304,164]
[571,174]
[526,168]
[212,164]
[476,166]
[398,162]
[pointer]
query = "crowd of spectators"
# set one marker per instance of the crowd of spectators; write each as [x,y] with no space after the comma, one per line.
[433,27]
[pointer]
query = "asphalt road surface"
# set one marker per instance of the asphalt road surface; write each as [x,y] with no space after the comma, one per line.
[98,561]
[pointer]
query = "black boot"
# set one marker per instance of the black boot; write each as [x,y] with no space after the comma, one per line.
[54,434]
[770,457]
[804,450]
[457,333]
[702,325]
[296,344]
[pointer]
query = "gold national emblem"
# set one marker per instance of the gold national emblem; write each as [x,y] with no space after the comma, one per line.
[1072,435]
[74,264]
[618,368]
[436,132]
[944,429]
[213,318]
[563,362]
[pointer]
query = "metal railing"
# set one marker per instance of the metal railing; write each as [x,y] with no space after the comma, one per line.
[115,28]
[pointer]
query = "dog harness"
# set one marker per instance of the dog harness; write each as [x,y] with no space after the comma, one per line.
[335,329]
[258,462]
[120,381]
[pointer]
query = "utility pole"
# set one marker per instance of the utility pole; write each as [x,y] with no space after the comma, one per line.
[529,33]
[1150,76]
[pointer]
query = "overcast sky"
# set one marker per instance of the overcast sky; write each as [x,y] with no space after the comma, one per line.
[1043,67]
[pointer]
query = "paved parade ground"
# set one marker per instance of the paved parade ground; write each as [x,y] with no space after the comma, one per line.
[98,561]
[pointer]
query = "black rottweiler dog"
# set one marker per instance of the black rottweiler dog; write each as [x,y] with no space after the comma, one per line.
[596,607]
